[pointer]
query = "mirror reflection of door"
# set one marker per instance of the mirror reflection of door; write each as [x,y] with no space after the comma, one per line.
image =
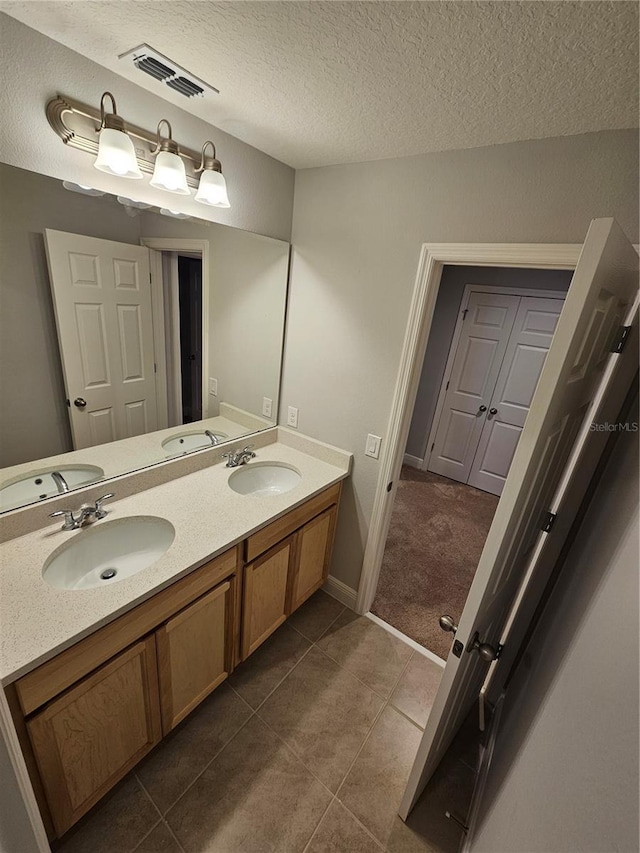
[102,299]
[190,301]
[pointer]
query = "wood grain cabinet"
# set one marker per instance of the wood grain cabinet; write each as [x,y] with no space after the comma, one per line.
[314,543]
[277,581]
[93,734]
[264,604]
[194,654]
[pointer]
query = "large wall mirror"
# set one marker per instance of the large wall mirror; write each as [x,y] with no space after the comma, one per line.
[128,335]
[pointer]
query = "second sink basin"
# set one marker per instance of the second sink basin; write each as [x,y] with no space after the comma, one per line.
[108,552]
[264,478]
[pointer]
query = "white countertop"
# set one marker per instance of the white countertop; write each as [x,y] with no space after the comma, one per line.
[37,620]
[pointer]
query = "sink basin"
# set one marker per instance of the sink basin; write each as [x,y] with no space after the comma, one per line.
[264,478]
[38,485]
[185,442]
[108,552]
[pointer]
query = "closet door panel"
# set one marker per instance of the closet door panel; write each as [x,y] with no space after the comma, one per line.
[524,359]
[479,354]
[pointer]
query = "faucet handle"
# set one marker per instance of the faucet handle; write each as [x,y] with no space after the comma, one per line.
[248,449]
[70,522]
[99,511]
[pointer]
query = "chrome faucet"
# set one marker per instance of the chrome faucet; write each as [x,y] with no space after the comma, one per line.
[61,483]
[87,514]
[239,457]
[212,438]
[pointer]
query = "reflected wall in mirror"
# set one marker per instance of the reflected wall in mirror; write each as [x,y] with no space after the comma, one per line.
[127,337]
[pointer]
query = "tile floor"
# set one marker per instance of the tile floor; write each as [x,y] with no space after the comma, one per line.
[305,749]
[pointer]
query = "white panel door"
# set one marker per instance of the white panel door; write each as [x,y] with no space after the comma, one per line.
[102,300]
[479,354]
[603,287]
[530,339]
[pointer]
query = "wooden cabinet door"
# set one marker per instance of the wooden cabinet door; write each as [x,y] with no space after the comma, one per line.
[313,555]
[92,735]
[265,595]
[194,654]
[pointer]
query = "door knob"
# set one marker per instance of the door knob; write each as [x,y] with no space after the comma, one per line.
[482,409]
[493,411]
[486,651]
[447,623]
[80,402]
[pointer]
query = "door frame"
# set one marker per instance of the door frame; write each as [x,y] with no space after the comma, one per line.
[433,258]
[455,340]
[188,246]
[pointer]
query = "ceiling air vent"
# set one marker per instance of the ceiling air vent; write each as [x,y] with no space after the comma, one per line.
[163,69]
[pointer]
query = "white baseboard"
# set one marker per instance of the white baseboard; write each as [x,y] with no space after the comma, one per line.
[415,646]
[413,461]
[340,591]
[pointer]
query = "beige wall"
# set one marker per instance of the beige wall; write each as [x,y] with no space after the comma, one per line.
[357,235]
[35,68]
[564,774]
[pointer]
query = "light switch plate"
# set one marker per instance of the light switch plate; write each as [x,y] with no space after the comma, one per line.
[292,417]
[266,406]
[372,447]
[213,387]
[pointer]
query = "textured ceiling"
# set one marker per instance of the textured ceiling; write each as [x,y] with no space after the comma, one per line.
[314,83]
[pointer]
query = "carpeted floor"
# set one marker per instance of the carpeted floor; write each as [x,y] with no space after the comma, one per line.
[438,530]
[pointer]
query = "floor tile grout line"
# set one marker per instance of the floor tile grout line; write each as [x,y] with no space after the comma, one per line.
[297,757]
[331,624]
[284,678]
[352,673]
[161,821]
[362,746]
[206,767]
[160,816]
[360,823]
[405,715]
[317,826]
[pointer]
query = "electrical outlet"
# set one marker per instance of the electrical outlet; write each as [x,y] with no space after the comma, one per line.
[372,447]
[213,387]
[292,417]
[266,407]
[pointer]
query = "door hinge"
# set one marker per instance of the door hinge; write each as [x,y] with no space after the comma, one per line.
[155,367]
[620,339]
[447,387]
[465,311]
[548,522]
[432,446]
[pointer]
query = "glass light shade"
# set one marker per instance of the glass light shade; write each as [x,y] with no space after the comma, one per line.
[213,189]
[169,174]
[116,154]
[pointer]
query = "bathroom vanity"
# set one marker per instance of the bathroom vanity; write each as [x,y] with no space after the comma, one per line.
[95,677]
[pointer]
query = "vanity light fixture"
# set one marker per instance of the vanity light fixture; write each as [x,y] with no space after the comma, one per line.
[116,154]
[169,173]
[83,189]
[212,189]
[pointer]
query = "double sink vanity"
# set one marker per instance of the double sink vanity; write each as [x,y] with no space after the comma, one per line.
[114,632]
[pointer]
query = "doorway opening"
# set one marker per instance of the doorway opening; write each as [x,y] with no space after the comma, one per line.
[491,329]
[190,309]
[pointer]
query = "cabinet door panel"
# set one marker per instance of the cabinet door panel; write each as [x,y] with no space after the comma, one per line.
[265,596]
[88,738]
[313,554]
[194,654]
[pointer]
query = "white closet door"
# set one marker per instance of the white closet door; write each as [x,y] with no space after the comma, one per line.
[481,348]
[530,339]
[102,300]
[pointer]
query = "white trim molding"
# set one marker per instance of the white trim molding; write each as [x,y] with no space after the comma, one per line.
[433,257]
[412,461]
[421,650]
[341,592]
